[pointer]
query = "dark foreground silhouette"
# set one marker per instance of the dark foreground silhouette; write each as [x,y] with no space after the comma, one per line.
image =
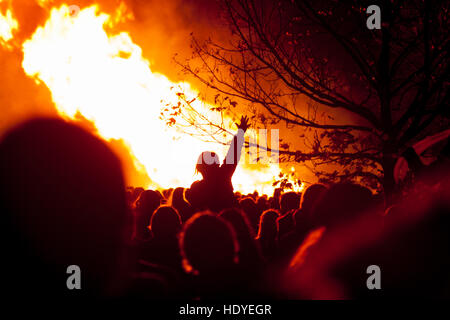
[63,202]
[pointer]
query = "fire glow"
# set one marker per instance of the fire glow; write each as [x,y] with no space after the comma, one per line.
[7,26]
[103,77]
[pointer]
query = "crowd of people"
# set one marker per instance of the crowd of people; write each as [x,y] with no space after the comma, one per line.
[64,202]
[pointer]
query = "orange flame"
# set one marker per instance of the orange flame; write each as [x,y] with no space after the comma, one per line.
[8,25]
[104,77]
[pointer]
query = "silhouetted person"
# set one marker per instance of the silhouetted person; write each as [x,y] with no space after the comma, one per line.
[248,205]
[178,202]
[291,240]
[412,252]
[289,202]
[62,199]
[310,197]
[274,201]
[215,191]
[432,173]
[340,203]
[262,203]
[414,164]
[250,255]
[209,248]
[148,202]
[162,248]
[302,219]
[268,234]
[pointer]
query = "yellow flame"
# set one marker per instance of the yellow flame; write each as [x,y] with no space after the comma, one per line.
[8,25]
[104,77]
[44,3]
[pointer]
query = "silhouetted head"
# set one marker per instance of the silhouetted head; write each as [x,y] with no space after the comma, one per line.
[148,201]
[248,205]
[165,222]
[208,244]
[310,196]
[207,163]
[239,221]
[274,201]
[411,251]
[179,202]
[268,225]
[262,203]
[289,201]
[250,255]
[62,199]
[177,198]
[146,204]
[341,203]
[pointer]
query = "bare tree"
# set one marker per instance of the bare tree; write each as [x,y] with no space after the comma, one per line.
[356,98]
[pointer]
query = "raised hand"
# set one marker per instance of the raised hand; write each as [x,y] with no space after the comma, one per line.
[244,125]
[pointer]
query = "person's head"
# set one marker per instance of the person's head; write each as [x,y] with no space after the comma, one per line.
[179,202]
[340,203]
[165,222]
[146,204]
[274,201]
[268,224]
[250,255]
[63,203]
[148,201]
[310,196]
[177,198]
[207,163]
[208,244]
[262,203]
[289,201]
[239,221]
[248,205]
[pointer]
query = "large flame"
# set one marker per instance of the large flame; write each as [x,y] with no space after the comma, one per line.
[104,77]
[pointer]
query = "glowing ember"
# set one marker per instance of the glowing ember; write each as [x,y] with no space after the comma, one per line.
[104,77]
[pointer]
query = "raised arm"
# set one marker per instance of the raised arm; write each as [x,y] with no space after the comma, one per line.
[234,153]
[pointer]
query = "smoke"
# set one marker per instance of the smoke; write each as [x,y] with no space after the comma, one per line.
[163,28]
